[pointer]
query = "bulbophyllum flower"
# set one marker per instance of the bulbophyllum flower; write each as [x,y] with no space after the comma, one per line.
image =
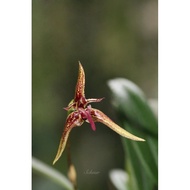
[80,110]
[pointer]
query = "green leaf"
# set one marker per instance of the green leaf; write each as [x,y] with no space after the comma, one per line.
[130,101]
[45,170]
[138,177]
[137,117]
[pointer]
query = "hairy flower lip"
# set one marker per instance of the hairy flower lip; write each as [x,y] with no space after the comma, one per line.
[79,111]
[86,116]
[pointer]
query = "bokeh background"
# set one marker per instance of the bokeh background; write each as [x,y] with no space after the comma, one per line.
[111,39]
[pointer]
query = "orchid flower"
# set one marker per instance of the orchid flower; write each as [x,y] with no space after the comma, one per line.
[80,110]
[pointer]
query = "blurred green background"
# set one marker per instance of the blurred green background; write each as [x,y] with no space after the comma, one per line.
[111,39]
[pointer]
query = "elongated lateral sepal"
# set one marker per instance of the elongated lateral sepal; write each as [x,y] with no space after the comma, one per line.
[99,116]
[73,120]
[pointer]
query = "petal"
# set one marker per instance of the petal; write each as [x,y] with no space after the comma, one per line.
[99,116]
[73,120]
[90,100]
[70,105]
[79,90]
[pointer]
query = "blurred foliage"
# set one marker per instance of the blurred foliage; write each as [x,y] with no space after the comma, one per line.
[49,172]
[137,117]
[111,39]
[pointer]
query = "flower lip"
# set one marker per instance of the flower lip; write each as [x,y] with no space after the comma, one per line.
[86,116]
